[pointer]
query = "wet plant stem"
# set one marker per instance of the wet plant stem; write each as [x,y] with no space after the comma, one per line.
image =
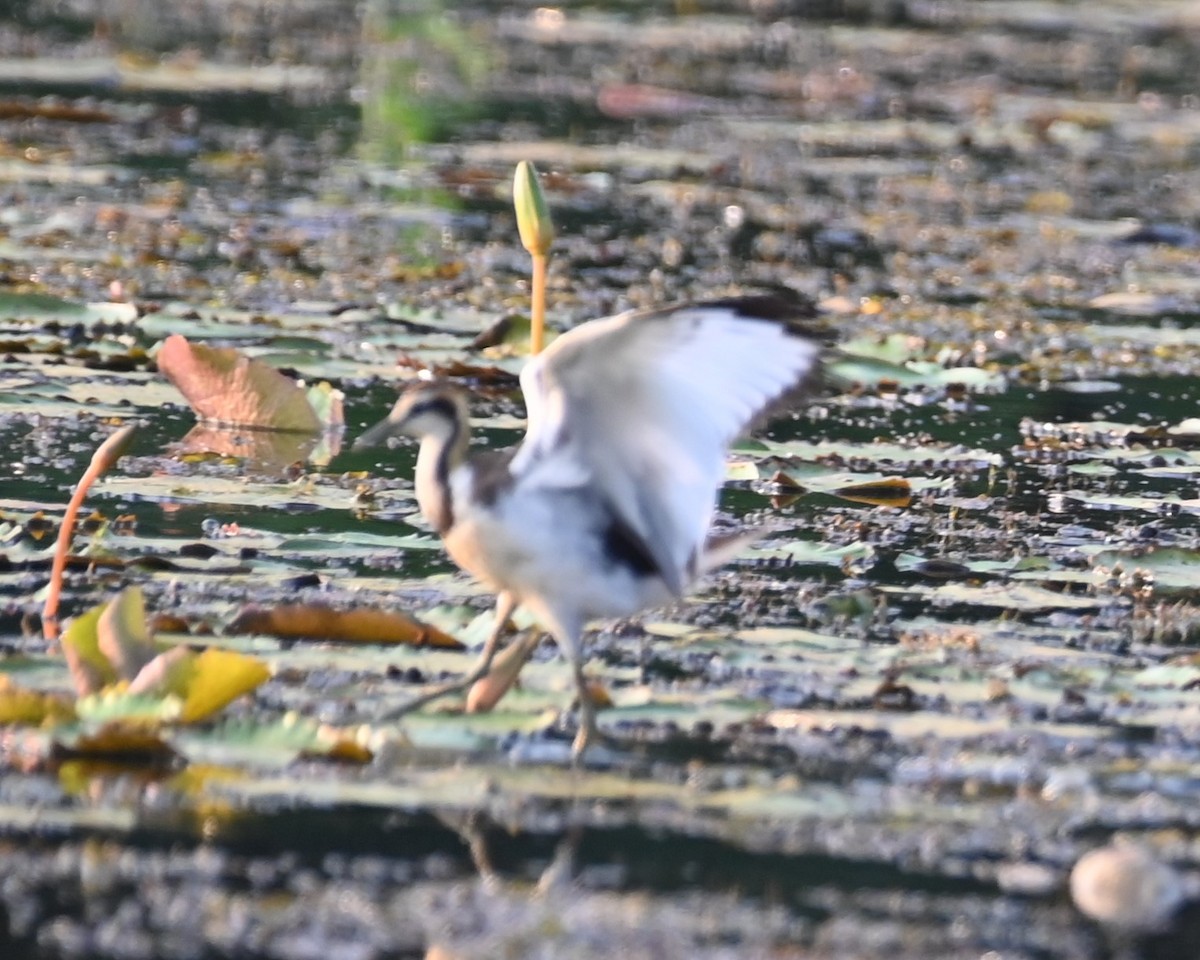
[108,453]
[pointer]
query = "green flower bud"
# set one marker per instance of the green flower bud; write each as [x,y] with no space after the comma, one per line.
[533,217]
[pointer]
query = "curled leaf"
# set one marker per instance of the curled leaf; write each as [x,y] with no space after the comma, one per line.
[112,449]
[224,385]
[328,403]
[90,668]
[167,673]
[123,635]
[361,625]
[215,679]
[888,492]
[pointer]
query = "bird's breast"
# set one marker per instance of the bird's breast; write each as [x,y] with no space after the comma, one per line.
[557,546]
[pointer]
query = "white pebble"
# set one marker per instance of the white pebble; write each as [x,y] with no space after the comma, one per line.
[1124,885]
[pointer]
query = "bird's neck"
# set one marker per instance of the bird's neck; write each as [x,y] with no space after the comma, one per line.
[439,455]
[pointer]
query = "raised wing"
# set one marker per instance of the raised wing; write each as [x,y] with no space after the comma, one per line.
[645,404]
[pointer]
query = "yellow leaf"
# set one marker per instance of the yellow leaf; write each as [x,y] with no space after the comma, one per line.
[195,778]
[314,621]
[218,677]
[340,750]
[31,707]
[90,669]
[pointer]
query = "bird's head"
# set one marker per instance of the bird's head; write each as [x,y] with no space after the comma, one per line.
[427,409]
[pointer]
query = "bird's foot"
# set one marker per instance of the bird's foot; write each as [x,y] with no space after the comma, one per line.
[456,686]
[589,732]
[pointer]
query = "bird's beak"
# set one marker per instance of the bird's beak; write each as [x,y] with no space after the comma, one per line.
[378,434]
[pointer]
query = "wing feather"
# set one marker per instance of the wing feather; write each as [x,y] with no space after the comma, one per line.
[645,405]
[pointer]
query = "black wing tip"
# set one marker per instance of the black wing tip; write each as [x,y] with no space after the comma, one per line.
[782,303]
[794,310]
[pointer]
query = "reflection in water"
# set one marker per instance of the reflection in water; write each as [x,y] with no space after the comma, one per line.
[422,71]
[262,450]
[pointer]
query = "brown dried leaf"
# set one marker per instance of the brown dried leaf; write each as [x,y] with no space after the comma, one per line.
[222,384]
[119,740]
[889,492]
[302,621]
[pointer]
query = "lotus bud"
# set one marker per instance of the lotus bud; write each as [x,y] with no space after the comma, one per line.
[533,217]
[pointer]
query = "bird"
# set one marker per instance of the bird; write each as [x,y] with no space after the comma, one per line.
[606,507]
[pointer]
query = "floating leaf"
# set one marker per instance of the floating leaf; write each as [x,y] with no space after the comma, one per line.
[1172,570]
[888,492]
[880,454]
[359,625]
[117,704]
[272,744]
[814,552]
[215,679]
[1004,596]
[336,745]
[195,778]
[224,385]
[1134,303]
[43,306]
[510,335]
[32,707]
[116,740]
[264,449]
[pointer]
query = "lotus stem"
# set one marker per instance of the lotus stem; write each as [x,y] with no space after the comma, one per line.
[107,454]
[537,306]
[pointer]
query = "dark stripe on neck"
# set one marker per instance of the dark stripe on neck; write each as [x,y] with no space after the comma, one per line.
[441,475]
[442,406]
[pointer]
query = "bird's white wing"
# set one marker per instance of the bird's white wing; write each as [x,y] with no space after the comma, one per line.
[646,403]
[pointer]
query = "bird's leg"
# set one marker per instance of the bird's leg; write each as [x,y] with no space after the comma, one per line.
[588,732]
[506,603]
